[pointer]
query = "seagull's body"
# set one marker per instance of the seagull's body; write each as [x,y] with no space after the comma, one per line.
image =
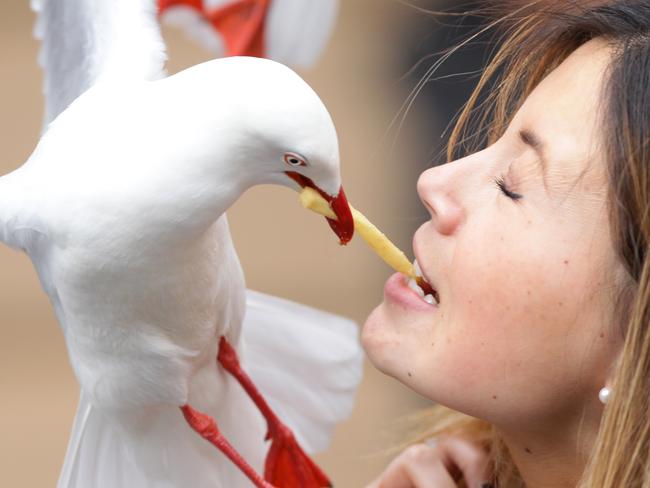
[125,224]
[121,209]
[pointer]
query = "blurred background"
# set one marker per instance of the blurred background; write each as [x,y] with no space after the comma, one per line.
[379,50]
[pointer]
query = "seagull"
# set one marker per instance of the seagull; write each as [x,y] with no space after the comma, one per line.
[121,208]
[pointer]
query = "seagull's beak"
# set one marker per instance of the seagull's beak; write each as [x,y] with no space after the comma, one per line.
[343,225]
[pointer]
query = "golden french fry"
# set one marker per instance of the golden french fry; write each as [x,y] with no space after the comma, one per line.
[377,241]
[312,200]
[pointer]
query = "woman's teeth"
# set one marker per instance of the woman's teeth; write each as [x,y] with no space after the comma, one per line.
[431,298]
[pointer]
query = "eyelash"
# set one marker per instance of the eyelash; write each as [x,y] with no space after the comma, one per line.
[501,184]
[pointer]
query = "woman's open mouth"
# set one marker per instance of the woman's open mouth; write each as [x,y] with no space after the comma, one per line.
[406,292]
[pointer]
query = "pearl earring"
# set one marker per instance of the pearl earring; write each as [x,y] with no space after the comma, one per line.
[603,395]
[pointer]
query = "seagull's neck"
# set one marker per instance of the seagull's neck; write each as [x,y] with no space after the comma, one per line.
[194,200]
[208,158]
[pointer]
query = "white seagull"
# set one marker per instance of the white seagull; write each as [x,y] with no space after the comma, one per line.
[121,209]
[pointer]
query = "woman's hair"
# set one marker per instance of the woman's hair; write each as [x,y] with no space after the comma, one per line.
[538,37]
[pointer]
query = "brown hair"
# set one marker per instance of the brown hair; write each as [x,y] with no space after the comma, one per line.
[538,37]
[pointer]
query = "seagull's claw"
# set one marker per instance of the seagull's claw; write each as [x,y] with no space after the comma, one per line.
[287,465]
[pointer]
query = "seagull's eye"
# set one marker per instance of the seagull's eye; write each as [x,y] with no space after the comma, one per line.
[293,159]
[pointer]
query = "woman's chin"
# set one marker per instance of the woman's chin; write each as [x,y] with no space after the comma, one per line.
[378,339]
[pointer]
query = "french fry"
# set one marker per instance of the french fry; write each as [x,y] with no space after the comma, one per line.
[375,239]
[312,200]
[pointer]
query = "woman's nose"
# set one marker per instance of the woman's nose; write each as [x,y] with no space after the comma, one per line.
[437,188]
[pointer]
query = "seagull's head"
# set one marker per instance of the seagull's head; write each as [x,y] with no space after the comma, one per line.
[292,140]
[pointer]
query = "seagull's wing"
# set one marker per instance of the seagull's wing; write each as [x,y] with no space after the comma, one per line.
[306,362]
[293,32]
[85,41]
[298,30]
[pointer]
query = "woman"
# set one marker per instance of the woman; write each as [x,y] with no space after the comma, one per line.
[536,247]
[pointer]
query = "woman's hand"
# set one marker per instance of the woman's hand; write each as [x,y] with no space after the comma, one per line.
[439,464]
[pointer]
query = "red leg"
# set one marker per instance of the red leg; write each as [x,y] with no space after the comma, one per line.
[287,465]
[207,428]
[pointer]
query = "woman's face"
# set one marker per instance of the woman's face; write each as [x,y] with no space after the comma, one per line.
[519,249]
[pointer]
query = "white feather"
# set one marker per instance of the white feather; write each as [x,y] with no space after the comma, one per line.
[298,30]
[84,41]
[155,448]
[307,362]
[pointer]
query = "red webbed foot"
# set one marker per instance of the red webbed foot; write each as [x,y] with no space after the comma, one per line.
[288,466]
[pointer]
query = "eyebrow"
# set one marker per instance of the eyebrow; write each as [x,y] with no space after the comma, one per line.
[533,141]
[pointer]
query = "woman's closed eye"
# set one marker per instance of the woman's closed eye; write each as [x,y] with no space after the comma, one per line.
[503,187]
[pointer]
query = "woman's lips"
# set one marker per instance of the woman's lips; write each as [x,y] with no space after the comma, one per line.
[397,291]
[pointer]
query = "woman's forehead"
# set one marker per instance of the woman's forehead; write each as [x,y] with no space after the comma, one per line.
[564,112]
